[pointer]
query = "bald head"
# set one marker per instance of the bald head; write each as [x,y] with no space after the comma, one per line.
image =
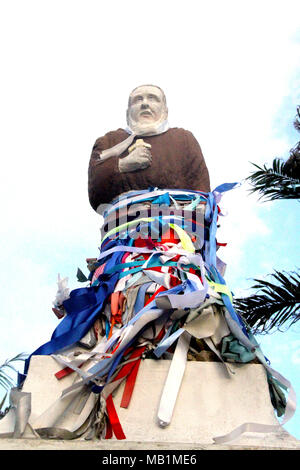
[151,86]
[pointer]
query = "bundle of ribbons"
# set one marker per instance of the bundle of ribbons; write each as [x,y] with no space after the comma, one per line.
[155,291]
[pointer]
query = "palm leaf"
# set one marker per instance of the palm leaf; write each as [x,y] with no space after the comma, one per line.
[297,120]
[274,304]
[8,362]
[3,401]
[274,183]
[3,410]
[6,381]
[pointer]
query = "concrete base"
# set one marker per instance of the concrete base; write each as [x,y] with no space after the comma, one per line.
[210,403]
[108,445]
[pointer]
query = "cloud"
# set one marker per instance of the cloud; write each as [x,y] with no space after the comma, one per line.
[295,359]
[26,299]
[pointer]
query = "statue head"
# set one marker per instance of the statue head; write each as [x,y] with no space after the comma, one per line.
[147,108]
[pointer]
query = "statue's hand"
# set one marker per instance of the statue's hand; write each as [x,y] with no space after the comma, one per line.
[139,159]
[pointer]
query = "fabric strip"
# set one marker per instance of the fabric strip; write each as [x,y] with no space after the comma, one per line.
[173,382]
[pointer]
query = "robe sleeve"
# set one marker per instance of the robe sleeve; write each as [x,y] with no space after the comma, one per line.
[102,176]
[195,165]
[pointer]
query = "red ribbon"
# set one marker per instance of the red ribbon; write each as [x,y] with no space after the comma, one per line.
[129,386]
[113,420]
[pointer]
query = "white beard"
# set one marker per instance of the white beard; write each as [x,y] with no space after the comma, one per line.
[152,128]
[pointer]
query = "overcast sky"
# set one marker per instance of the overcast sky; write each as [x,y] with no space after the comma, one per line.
[230,71]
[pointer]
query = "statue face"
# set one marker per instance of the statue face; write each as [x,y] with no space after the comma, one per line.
[147,107]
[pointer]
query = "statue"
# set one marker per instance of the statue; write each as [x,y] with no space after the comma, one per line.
[161,157]
[156,290]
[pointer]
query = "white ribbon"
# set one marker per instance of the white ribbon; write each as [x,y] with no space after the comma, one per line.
[173,382]
[118,149]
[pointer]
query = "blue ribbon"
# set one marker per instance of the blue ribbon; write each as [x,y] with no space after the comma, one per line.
[85,304]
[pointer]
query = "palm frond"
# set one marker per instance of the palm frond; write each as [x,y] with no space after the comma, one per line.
[6,381]
[8,362]
[274,304]
[297,119]
[3,401]
[274,183]
[3,410]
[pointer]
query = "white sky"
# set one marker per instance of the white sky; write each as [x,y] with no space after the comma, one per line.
[230,74]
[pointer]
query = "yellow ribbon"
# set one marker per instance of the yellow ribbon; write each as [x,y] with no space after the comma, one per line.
[221,288]
[185,239]
[128,224]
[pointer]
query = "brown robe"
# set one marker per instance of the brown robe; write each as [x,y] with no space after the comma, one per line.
[177,163]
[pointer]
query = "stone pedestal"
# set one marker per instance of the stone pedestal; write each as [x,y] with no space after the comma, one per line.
[210,403]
